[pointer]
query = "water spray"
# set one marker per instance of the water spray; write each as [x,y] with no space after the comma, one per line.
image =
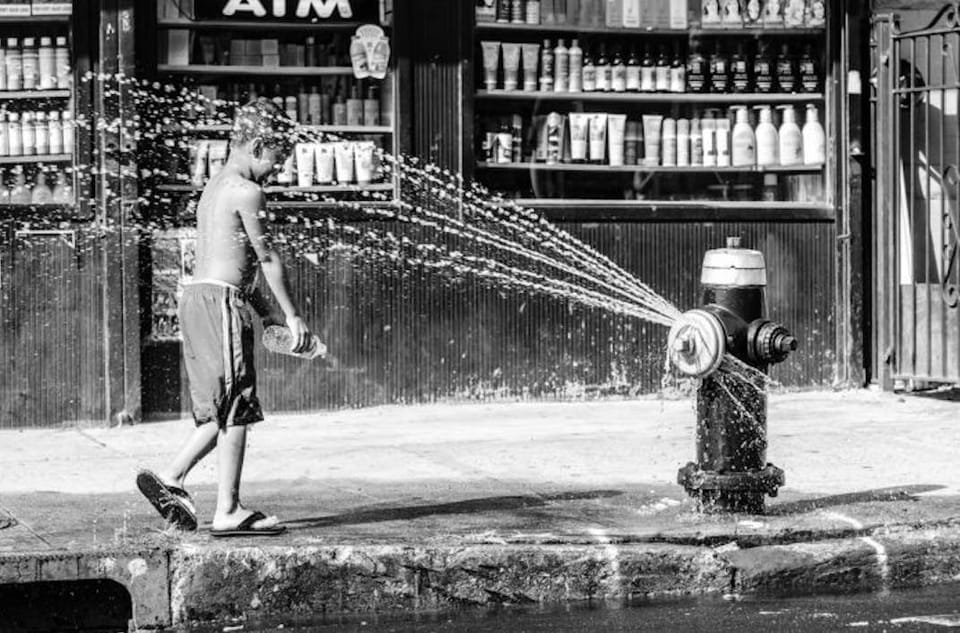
[731,473]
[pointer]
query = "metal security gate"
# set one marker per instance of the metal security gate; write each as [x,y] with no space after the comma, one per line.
[917,228]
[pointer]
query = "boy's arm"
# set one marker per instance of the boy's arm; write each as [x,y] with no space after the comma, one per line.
[250,205]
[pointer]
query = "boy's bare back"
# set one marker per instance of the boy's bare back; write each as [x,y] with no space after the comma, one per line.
[225,251]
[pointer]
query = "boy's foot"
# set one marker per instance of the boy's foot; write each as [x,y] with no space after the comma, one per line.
[172,502]
[254,524]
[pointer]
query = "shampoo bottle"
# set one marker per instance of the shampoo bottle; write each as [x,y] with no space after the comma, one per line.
[814,139]
[633,70]
[604,70]
[696,143]
[791,140]
[546,67]
[648,72]
[768,141]
[576,67]
[589,74]
[744,140]
[662,71]
[561,67]
[618,74]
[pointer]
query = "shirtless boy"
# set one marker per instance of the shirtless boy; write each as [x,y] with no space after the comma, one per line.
[232,244]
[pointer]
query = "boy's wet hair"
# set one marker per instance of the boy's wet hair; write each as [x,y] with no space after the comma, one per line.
[262,119]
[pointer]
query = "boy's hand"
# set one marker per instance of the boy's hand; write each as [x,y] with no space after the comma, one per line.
[301,334]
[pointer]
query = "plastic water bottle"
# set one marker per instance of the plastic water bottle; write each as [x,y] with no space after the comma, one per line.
[279,339]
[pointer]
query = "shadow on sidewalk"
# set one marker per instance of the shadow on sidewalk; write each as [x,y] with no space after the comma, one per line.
[469,506]
[896,493]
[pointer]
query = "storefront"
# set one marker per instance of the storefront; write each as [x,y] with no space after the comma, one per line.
[645,154]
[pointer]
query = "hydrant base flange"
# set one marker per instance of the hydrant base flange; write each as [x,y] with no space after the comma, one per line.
[735,491]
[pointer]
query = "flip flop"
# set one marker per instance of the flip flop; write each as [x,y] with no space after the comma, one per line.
[173,503]
[246,528]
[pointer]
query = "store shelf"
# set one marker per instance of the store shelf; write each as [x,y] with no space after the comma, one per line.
[291,190]
[345,205]
[11,95]
[539,29]
[34,19]
[331,129]
[651,97]
[678,210]
[43,158]
[265,25]
[629,169]
[249,71]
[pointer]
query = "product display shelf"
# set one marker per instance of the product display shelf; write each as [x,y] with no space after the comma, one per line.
[538,29]
[707,210]
[628,169]
[279,189]
[331,129]
[43,158]
[34,19]
[34,95]
[256,71]
[751,98]
[265,25]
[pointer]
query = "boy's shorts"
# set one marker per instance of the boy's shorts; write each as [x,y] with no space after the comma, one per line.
[218,353]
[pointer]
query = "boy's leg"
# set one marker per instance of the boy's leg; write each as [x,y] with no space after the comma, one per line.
[231,449]
[197,446]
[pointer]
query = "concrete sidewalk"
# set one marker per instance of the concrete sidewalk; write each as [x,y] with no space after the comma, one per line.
[429,506]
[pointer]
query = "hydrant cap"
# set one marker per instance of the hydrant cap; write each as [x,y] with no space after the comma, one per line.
[733,266]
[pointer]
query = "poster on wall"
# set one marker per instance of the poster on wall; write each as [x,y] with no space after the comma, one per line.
[310,11]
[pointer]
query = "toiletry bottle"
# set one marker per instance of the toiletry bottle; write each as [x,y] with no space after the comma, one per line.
[683,142]
[61,55]
[561,67]
[744,140]
[313,107]
[69,132]
[719,69]
[28,134]
[648,71]
[533,12]
[662,71]
[14,64]
[669,142]
[310,51]
[14,134]
[303,105]
[763,68]
[326,108]
[518,12]
[633,70]
[4,135]
[41,134]
[814,139]
[31,64]
[678,71]
[740,70]
[546,67]
[3,74]
[47,64]
[696,69]
[708,128]
[768,141]
[355,107]
[340,110]
[55,132]
[371,107]
[20,193]
[604,70]
[696,143]
[791,139]
[786,73]
[290,107]
[631,143]
[504,144]
[589,73]
[723,142]
[63,190]
[618,73]
[807,70]
[516,132]
[576,66]
[41,194]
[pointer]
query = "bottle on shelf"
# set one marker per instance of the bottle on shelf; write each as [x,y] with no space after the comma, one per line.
[697,69]
[740,70]
[41,134]
[648,71]
[340,110]
[791,139]
[618,73]
[604,70]
[63,189]
[696,143]
[678,71]
[719,71]
[47,64]
[4,135]
[61,56]
[708,128]
[28,133]
[290,107]
[763,68]
[546,67]
[576,66]
[354,106]
[786,72]
[589,73]
[303,105]
[533,12]
[20,192]
[313,107]
[683,142]
[41,193]
[14,60]
[814,138]
[768,141]
[371,107]
[310,51]
[55,133]
[807,70]
[669,142]
[744,140]
[662,71]
[14,135]
[633,70]
[31,64]
[561,67]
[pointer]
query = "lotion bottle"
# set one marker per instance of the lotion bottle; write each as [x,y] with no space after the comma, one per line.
[768,141]
[561,67]
[814,139]
[14,134]
[576,67]
[744,140]
[791,140]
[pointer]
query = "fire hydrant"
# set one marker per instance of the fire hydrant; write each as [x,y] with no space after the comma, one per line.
[731,473]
